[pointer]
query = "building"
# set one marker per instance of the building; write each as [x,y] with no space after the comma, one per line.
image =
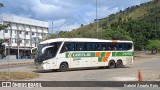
[22,34]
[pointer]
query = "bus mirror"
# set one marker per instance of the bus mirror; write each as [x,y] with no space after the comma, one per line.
[33,49]
[43,50]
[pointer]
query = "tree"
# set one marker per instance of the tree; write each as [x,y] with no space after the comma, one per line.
[2,27]
[154,45]
[1,5]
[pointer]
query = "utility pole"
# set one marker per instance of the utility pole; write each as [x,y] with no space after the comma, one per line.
[52,27]
[9,47]
[18,42]
[96,19]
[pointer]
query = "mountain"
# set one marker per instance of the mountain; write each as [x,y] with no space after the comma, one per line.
[138,23]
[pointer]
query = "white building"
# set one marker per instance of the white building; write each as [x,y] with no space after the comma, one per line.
[24,30]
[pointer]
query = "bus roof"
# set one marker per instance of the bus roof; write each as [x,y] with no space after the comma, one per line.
[80,40]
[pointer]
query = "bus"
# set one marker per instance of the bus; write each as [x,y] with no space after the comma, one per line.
[66,53]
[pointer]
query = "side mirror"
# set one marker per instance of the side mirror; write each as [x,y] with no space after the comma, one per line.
[45,48]
[33,49]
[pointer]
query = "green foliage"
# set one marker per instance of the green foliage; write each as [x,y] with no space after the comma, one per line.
[1,5]
[2,27]
[138,23]
[153,45]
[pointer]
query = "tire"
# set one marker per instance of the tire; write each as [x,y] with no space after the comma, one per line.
[119,64]
[111,64]
[63,67]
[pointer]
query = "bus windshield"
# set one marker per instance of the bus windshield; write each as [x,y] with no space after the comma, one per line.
[50,51]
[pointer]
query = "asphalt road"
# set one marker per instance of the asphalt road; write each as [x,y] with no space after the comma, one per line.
[149,68]
[15,66]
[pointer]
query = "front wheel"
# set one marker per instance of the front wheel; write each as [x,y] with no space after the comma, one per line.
[111,64]
[63,67]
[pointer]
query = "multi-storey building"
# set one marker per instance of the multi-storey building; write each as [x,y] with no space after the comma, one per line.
[22,33]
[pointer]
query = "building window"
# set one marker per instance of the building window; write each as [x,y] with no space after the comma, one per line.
[15,40]
[26,33]
[39,34]
[20,41]
[20,32]
[27,41]
[6,31]
[32,33]
[15,32]
[12,40]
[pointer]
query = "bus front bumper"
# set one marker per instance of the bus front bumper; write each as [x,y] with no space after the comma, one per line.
[39,67]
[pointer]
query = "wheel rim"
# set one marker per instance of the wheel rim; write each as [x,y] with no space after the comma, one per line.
[112,65]
[119,64]
[63,67]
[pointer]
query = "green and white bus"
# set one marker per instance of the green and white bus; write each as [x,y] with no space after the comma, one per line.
[65,53]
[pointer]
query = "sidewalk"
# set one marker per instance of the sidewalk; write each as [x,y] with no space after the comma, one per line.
[15,61]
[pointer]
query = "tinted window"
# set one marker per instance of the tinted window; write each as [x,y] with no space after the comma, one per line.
[93,46]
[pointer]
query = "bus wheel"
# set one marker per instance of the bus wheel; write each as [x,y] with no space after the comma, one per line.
[119,64]
[63,67]
[111,64]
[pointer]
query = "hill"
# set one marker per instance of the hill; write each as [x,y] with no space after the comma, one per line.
[139,23]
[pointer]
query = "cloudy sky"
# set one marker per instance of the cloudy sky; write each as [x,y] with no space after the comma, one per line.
[65,14]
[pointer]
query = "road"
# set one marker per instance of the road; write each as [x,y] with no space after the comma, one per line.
[15,66]
[149,68]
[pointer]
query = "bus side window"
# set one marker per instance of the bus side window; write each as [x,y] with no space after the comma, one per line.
[108,47]
[120,46]
[78,47]
[123,46]
[89,47]
[114,47]
[72,47]
[129,46]
[117,46]
[65,48]
[84,46]
[97,47]
[103,47]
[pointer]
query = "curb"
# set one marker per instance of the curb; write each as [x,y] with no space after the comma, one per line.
[17,63]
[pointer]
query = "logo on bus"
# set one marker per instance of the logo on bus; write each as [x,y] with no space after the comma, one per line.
[69,55]
[79,55]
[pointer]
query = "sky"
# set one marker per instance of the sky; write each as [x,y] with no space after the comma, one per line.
[65,15]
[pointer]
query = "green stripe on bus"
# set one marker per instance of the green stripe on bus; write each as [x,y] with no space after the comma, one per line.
[122,53]
[93,54]
[100,59]
[103,54]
